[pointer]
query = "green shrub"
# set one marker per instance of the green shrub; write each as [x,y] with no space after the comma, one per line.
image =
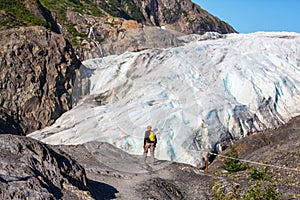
[264,175]
[261,184]
[260,191]
[233,163]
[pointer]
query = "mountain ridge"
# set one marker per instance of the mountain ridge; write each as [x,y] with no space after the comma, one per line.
[107,20]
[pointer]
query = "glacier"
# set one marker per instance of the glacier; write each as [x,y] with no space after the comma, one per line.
[199,97]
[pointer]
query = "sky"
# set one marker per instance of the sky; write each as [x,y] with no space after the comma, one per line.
[247,16]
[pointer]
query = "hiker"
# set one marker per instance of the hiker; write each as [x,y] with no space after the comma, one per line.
[149,143]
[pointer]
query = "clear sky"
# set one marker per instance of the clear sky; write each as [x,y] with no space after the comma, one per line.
[247,16]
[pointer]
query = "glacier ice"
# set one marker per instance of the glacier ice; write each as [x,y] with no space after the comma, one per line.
[199,95]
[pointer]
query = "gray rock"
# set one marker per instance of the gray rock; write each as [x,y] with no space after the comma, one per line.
[37,71]
[32,170]
[182,16]
[128,177]
[140,39]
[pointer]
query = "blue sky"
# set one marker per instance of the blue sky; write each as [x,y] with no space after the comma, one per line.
[247,16]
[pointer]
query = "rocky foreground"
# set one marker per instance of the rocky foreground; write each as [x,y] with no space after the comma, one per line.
[31,169]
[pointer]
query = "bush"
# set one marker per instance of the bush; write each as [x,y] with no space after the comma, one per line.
[233,163]
[261,186]
[264,175]
[260,191]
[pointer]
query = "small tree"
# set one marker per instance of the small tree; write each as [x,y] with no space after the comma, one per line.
[233,163]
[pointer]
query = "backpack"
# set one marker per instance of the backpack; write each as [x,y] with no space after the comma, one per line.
[152,136]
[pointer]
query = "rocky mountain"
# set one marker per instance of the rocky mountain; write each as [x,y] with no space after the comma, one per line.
[38,68]
[32,170]
[91,24]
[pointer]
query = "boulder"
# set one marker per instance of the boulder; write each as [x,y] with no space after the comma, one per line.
[30,169]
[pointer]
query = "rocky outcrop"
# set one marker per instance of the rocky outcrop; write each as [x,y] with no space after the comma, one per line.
[37,70]
[132,40]
[182,16]
[38,171]
[127,177]
[111,36]
[160,25]
[42,12]
[32,170]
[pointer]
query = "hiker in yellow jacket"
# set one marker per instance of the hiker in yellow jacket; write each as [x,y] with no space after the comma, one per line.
[149,143]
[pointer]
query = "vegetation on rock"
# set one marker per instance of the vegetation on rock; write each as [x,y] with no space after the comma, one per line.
[233,163]
[273,172]
[14,14]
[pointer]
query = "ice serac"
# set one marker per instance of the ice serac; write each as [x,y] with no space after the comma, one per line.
[198,97]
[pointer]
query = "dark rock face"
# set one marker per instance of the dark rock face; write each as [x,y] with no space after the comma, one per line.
[42,12]
[33,170]
[140,39]
[183,16]
[37,70]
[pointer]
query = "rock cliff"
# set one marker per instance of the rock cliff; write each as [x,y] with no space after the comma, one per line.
[183,16]
[37,71]
[136,25]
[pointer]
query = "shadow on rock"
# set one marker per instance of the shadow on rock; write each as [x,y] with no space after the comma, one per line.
[100,191]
